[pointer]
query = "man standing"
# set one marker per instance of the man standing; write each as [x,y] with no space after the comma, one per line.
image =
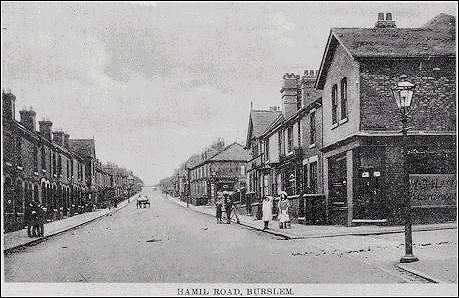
[228,204]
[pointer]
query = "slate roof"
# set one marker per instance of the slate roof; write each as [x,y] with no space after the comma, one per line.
[261,119]
[83,147]
[235,152]
[436,38]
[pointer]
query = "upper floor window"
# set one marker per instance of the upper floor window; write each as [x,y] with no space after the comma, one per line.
[255,149]
[35,159]
[334,104]
[290,139]
[19,151]
[267,149]
[312,128]
[43,158]
[279,139]
[299,134]
[59,164]
[344,98]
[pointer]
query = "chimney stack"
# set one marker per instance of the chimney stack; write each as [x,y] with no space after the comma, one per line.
[290,93]
[66,140]
[8,105]
[28,119]
[385,20]
[46,129]
[308,91]
[58,137]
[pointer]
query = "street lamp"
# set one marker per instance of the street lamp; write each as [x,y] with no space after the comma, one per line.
[403,94]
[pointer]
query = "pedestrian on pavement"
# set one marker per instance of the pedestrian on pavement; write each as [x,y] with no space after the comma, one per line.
[28,219]
[218,208]
[267,211]
[283,208]
[228,205]
[41,220]
[34,219]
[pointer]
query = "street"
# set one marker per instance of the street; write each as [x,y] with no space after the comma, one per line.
[169,243]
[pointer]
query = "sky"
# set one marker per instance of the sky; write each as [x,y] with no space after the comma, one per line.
[154,83]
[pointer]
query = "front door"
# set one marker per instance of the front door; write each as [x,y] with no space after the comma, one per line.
[370,203]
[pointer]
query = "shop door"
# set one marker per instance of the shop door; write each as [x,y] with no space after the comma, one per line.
[338,181]
[370,203]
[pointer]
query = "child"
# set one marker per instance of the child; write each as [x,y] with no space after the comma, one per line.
[218,207]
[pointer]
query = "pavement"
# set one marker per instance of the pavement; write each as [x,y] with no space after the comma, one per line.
[18,239]
[437,254]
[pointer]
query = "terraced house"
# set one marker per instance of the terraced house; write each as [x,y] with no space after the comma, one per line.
[48,167]
[288,158]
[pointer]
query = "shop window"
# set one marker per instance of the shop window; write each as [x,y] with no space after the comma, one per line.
[313,177]
[334,104]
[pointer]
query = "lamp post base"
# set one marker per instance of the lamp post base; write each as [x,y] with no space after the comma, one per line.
[408,259]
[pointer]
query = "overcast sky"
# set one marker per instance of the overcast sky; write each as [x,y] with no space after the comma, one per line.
[154,83]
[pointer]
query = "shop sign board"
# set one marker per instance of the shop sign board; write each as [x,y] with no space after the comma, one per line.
[430,190]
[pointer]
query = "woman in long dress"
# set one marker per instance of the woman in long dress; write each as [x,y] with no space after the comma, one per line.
[267,209]
[284,205]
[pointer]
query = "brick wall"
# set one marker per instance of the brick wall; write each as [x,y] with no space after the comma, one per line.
[434,98]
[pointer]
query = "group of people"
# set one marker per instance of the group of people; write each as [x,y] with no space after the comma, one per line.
[283,209]
[224,200]
[35,217]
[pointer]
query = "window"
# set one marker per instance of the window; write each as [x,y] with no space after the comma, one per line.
[19,150]
[313,177]
[290,139]
[43,158]
[312,128]
[242,170]
[334,104]
[35,159]
[54,164]
[71,168]
[299,133]
[267,149]
[279,140]
[343,98]
[59,164]
[255,149]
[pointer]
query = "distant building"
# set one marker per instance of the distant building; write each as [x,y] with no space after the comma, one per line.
[225,167]
[48,167]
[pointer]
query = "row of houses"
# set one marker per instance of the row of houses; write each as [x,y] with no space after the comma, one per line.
[203,175]
[335,144]
[49,167]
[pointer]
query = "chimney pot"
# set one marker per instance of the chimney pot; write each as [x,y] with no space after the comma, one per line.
[385,22]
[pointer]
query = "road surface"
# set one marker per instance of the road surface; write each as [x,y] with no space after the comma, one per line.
[169,243]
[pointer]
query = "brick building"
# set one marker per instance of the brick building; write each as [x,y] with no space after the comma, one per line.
[288,158]
[208,176]
[361,124]
[44,166]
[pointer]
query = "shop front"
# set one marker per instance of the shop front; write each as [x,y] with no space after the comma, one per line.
[365,181]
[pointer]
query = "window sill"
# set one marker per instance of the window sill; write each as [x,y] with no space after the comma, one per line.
[290,153]
[342,121]
[334,125]
[8,164]
[44,171]
[35,173]
[312,146]
[19,168]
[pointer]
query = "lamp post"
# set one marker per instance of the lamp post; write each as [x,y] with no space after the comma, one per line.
[403,94]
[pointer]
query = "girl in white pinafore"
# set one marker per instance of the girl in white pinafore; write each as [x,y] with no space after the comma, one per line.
[284,205]
[267,209]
